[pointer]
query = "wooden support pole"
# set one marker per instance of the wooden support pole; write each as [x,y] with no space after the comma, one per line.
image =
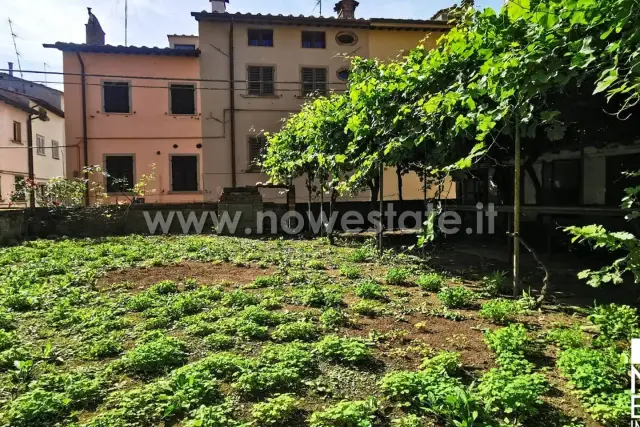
[516,211]
[381,230]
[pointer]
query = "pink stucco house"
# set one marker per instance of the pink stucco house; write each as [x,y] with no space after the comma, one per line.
[135,111]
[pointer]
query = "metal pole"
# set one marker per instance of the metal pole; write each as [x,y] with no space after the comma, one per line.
[381,230]
[516,212]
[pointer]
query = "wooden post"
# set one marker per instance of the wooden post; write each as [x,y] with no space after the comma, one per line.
[381,231]
[516,212]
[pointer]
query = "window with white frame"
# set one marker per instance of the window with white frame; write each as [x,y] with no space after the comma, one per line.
[55,149]
[40,145]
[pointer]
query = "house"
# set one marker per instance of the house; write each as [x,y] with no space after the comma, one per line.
[26,121]
[274,64]
[135,111]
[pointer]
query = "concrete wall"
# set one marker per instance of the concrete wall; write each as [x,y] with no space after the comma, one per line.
[183,39]
[150,132]
[256,114]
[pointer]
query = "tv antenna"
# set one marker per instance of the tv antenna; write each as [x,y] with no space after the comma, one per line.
[318,5]
[14,36]
[126,22]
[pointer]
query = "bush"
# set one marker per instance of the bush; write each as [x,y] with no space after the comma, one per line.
[512,339]
[446,361]
[359,255]
[410,420]
[397,276]
[294,355]
[315,265]
[513,396]
[156,356]
[6,340]
[7,321]
[347,414]
[251,330]
[262,316]
[415,390]
[187,304]
[345,350]
[370,289]
[333,319]
[432,282]
[106,347]
[240,299]
[456,297]
[165,287]
[350,272]
[501,311]
[269,379]
[616,322]
[296,331]
[566,338]
[218,342]
[368,308]
[313,296]
[143,301]
[277,411]
[496,284]
[213,416]
[267,282]
[38,408]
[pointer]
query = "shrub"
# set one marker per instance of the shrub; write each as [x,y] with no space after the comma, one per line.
[267,282]
[156,356]
[315,264]
[370,289]
[277,411]
[500,311]
[38,408]
[213,416]
[106,347]
[313,296]
[512,339]
[296,331]
[332,318]
[262,316]
[445,361]
[269,379]
[345,350]
[350,272]
[397,276]
[513,396]
[496,283]
[165,287]
[7,321]
[566,338]
[143,301]
[456,297]
[414,390]
[410,420]
[184,305]
[240,299]
[293,355]
[223,366]
[6,340]
[201,329]
[251,330]
[218,342]
[346,414]
[359,255]
[594,371]
[432,282]
[616,322]
[368,308]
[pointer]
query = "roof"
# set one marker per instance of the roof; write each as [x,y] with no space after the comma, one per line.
[182,35]
[399,24]
[21,101]
[7,76]
[444,12]
[123,50]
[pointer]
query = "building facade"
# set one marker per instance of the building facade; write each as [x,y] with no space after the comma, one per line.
[47,159]
[264,67]
[135,111]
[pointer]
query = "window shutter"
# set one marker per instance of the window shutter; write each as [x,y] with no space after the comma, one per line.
[254,81]
[256,147]
[321,80]
[268,81]
[307,81]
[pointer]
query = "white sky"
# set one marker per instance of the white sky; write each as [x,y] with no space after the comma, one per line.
[49,21]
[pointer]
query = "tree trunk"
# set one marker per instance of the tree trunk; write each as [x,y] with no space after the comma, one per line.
[399,173]
[309,213]
[537,185]
[516,211]
[332,201]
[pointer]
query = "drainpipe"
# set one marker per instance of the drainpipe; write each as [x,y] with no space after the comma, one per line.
[232,101]
[32,177]
[85,138]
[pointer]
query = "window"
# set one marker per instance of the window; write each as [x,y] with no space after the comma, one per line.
[185,46]
[17,132]
[314,80]
[40,145]
[261,81]
[257,145]
[119,171]
[261,38]
[55,149]
[183,99]
[343,74]
[116,97]
[346,38]
[184,173]
[561,182]
[313,40]
[20,188]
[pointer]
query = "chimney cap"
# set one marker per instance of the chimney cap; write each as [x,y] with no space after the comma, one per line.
[346,8]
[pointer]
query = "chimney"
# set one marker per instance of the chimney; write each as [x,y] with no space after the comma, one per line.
[219,6]
[95,34]
[11,69]
[346,9]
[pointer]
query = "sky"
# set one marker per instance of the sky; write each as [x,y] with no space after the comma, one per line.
[48,21]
